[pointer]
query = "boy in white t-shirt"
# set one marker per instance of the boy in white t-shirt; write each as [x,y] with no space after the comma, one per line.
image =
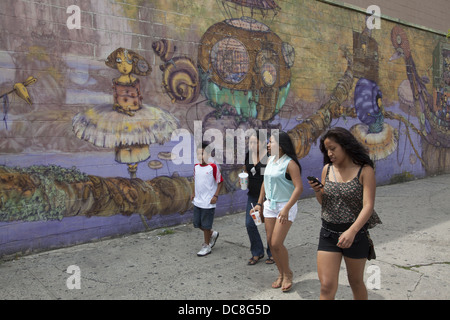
[208,182]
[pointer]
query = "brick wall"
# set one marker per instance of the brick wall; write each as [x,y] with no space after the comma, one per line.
[431,14]
[297,68]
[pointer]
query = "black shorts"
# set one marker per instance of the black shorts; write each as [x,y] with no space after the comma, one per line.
[328,242]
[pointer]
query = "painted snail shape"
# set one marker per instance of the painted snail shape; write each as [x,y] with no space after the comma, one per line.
[180,76]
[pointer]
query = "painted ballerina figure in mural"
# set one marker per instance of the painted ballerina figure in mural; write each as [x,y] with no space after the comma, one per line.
[128,126]
[127,94]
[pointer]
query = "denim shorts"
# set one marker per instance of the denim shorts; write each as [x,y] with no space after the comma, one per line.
[203,218]
[328,240]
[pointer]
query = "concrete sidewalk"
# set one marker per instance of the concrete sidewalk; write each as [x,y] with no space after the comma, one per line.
[412,246]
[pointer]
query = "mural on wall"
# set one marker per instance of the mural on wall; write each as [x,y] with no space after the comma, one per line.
[431,109]
[379,137]
[20,89]
[180,77]
[242,74]
[128,126]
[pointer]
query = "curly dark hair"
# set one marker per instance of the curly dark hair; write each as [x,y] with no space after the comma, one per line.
[348,142]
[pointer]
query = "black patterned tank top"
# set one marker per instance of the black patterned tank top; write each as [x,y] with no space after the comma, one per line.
[342,201]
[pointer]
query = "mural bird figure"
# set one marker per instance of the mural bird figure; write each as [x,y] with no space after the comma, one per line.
[422,98]
[20,89]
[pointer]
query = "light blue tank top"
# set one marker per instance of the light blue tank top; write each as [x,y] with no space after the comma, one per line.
[276,186]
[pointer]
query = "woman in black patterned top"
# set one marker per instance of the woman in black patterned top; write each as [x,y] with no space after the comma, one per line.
[347,198]
[255,164]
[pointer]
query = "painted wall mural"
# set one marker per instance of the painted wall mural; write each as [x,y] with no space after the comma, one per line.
[92,156]
[128,125]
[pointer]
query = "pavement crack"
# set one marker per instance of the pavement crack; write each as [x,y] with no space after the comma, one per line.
[50,292]
[410,268]
[410,292]
[235,244]
[95,280]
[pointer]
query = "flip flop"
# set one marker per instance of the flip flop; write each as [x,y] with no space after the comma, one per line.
[287,279]
[277,283]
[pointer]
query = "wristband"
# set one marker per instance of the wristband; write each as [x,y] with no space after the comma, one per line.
[216,196]
[259,204]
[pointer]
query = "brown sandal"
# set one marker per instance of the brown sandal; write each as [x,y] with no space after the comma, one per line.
[288,279]
[277,283]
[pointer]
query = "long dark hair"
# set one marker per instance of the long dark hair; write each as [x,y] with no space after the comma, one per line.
[348,142]
[260,137]
[285,143]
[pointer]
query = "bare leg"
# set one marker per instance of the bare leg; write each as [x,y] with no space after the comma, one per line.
[276,234]
[328,265]
[207,235]
[270,224]
[355,274]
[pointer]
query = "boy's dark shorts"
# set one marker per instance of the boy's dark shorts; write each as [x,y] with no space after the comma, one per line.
[359,249]
[203,218]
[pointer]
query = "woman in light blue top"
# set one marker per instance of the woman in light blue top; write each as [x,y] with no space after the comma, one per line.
[282,188]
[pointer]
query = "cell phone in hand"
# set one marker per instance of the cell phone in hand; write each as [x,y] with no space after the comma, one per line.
[314,179]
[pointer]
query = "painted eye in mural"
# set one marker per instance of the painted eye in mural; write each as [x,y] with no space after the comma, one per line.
[128,57]
[288,54]
[269,74]
[399,39]
[118,60]
[230,60]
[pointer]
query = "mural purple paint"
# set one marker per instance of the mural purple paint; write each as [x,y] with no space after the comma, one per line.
[92,157]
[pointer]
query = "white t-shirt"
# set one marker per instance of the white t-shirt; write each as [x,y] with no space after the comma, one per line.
[206,177]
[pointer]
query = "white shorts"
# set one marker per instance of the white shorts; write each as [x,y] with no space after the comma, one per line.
[269,213]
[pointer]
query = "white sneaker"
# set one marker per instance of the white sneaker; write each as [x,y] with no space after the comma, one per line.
[213,239]
[206,249]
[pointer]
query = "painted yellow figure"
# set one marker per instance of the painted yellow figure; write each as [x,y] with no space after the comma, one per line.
[127,94]
[128,126]
[125,66]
